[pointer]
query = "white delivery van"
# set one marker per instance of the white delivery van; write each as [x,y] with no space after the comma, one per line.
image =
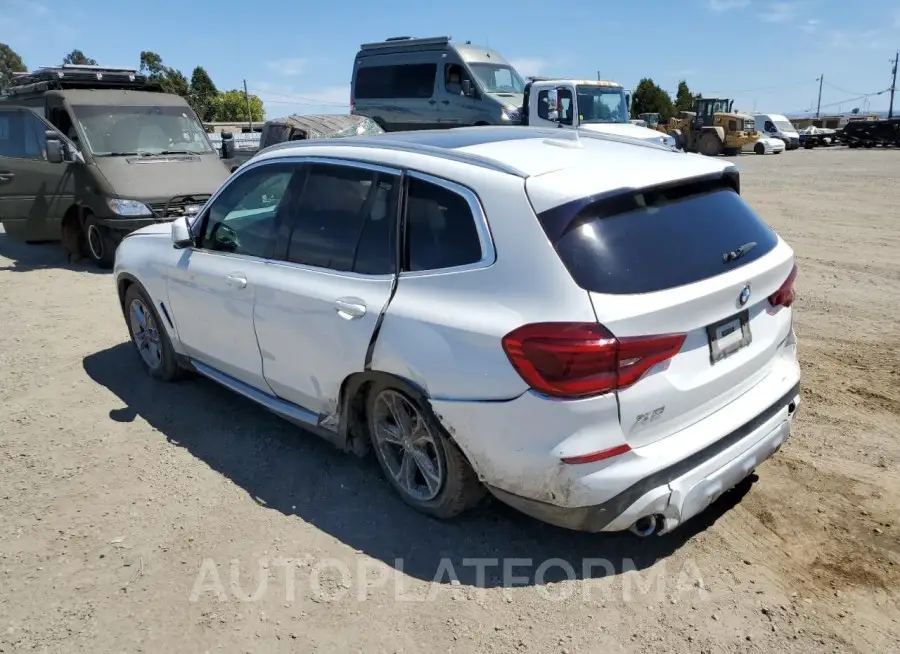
[780,127]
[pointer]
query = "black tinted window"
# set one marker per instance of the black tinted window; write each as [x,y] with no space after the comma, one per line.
[345,220]
[662,244]
[441,228]
[242,219]
[403,81]
[22,135]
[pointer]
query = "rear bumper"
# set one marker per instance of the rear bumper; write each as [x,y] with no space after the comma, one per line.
[683,489]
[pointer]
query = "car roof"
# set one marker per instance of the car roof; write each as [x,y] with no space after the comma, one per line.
[521,151]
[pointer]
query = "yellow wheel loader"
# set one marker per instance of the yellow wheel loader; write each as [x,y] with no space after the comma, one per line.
[712,128]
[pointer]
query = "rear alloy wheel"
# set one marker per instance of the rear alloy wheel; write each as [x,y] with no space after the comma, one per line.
[101,247]
[416,455]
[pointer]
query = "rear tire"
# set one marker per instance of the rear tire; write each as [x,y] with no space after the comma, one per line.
[732,152]
[407,436]
[100,245]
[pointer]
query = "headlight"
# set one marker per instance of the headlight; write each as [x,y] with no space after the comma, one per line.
[510,115]
[128,207]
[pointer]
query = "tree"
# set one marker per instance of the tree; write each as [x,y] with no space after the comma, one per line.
[171,80]
[684,99]
[203,94]
[649,98]
[10,62]
[78,58]
[231,106]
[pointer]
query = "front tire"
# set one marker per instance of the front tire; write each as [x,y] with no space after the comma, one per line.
[759,148]
[149,336]
[710,145]
[100,245]
[417,456]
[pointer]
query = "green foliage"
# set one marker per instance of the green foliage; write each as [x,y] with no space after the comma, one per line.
[203,94]
[231,106]
[207,101]
[649,98]
[10,62]
[684,99]
[171,80]
[78,58]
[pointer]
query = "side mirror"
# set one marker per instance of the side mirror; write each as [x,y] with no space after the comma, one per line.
[227,145]
[56,151]
[181,233]
[467,89]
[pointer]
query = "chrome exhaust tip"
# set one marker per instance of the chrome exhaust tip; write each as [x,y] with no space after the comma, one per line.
[646,526]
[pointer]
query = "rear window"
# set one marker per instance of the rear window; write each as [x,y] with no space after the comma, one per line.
[653,241]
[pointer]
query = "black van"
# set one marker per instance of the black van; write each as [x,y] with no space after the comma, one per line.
[90,153]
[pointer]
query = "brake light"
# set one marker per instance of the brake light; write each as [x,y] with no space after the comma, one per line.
[575,360]
[784,296]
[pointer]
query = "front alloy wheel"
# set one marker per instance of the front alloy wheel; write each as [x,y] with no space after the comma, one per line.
[145,334]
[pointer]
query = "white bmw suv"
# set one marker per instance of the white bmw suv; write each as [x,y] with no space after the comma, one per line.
[594,330]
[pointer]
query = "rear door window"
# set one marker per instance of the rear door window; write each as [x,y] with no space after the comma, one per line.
[345,220]
[654,241]
[400,81]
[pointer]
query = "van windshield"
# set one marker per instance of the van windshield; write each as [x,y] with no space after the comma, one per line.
[785,126]
[120,131]
[599,104]
[497,78]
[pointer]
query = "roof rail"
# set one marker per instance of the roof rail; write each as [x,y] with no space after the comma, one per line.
[404,41]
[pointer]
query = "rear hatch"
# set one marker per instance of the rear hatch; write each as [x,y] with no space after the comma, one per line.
[691,260]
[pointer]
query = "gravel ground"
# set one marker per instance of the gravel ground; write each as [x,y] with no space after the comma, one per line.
[139,516]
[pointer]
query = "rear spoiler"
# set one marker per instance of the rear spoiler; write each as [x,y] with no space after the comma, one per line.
[559,220]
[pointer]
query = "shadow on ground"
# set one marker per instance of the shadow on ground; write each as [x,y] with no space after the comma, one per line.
[286,470]
[28,257]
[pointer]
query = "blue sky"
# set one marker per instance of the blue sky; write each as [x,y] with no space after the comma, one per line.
[297,54]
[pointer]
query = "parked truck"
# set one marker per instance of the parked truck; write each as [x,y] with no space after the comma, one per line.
[596,106]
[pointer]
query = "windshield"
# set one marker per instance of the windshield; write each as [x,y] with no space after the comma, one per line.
[496,78]
[785,126]
[118,131]
[601,104]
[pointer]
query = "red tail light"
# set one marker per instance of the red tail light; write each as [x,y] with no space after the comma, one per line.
[583,359]
[784,296]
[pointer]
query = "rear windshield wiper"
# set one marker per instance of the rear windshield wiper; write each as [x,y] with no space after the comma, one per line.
[738,252]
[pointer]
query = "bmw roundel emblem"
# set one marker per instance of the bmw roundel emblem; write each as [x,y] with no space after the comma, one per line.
[744,297]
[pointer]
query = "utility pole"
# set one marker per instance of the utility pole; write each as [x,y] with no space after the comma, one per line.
[893,85]
[819,105]
[598,76]
[249,112]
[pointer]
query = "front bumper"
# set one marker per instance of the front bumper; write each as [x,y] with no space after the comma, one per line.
[129,224]
[683,489]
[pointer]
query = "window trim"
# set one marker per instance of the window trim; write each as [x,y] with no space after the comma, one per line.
[197,227]
[485,239]
[482,228]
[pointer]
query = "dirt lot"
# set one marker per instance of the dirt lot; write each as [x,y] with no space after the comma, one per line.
[141,517]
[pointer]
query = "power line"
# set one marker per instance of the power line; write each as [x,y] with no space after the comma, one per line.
[298,99]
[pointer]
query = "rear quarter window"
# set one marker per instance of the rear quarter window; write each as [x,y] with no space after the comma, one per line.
[653,241]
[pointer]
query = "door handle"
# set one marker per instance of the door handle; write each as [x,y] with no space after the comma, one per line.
[350,308]
[432,101]
[6,176]
[445,102]
[238,280]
